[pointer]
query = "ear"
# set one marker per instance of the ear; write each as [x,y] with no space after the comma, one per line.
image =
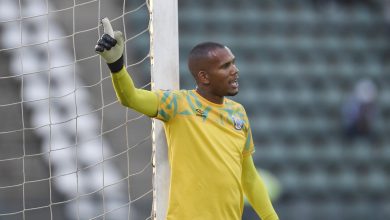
[203,77]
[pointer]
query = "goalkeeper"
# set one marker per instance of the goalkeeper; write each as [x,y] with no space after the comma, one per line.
[209,138]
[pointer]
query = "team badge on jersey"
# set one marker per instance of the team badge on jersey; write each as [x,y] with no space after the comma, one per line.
[238,122]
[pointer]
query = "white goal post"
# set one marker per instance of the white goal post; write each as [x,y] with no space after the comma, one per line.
[164,55]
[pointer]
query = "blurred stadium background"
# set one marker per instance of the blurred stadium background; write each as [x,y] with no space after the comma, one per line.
[308,67]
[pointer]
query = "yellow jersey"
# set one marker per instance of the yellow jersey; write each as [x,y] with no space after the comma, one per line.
[206,146]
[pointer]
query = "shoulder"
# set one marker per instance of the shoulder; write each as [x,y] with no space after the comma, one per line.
[181,92]
[236,108]
[234,104]
[165,95]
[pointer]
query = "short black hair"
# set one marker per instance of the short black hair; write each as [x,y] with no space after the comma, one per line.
[203,49]
[201,52]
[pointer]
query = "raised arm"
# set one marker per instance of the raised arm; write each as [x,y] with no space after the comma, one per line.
[256,192]
[110,47]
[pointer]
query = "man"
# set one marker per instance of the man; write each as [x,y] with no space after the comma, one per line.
[209,137]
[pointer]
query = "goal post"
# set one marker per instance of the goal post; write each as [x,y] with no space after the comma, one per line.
[164,46]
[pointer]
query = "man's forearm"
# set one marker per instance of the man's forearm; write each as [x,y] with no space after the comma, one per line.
[141,100]
[256,191]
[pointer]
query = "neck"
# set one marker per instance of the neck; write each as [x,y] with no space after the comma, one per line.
[210,97]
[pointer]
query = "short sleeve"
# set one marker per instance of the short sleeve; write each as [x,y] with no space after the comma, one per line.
[167,105]
[249,147]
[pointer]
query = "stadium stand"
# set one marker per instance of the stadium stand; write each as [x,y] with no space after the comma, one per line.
[298,60]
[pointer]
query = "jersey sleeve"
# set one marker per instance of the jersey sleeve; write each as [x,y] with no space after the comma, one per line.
[167,105]
[141,100]
[249,147]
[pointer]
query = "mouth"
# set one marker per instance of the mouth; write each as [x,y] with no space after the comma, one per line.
[234,83]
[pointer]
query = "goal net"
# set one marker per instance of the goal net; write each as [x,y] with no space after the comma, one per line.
[68,149]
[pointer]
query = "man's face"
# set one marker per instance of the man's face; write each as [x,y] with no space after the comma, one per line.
[222,73]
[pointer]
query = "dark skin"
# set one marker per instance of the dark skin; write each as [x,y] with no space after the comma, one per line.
[216,74]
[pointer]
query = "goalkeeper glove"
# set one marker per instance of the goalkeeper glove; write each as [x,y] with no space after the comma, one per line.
[110,47]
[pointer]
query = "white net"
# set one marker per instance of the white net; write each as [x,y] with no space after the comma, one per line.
[68,150]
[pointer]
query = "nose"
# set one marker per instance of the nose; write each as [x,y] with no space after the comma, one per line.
[235,69]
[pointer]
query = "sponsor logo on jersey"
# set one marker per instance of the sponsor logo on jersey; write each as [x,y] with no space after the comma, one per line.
[199,112]
[237,122]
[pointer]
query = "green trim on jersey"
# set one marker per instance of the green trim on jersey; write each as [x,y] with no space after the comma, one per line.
[207,143]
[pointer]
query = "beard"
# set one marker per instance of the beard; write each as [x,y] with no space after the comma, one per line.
[233,93]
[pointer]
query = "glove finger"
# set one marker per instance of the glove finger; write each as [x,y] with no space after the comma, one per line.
[109,40]
[99,49]
[107,27]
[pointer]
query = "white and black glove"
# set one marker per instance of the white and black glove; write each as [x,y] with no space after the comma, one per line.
[110,47]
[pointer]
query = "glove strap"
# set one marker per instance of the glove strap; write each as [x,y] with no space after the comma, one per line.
[116,66]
